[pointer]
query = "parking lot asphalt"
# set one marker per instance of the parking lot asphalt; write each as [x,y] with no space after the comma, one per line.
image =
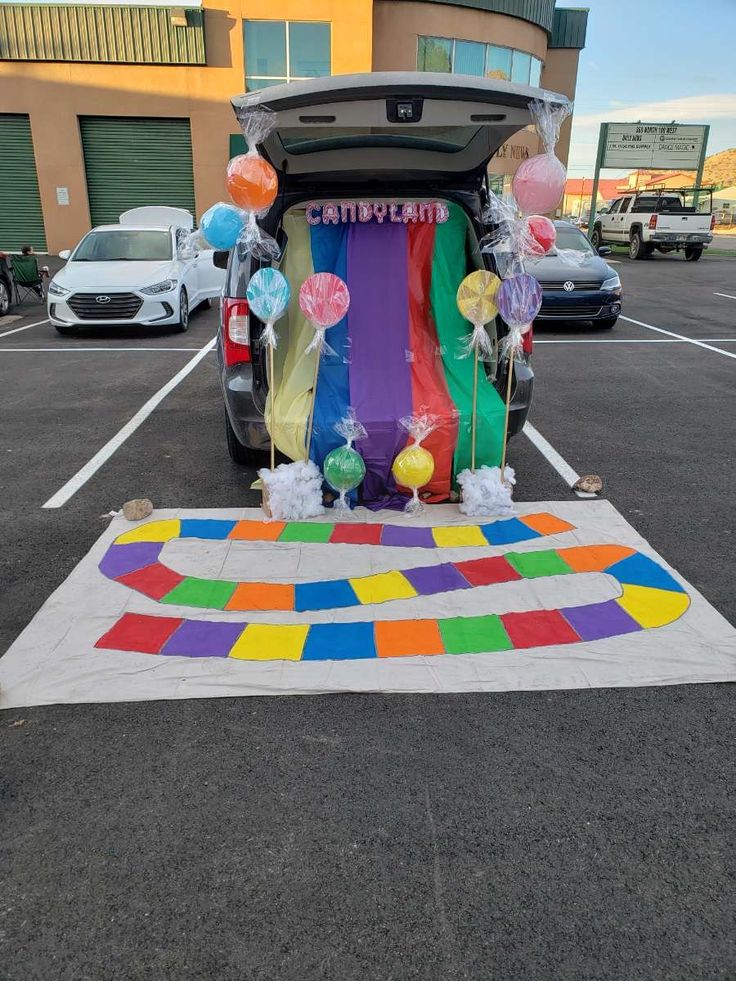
[522,835]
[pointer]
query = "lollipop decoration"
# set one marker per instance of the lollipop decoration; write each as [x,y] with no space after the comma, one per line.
[515,237]
[324,300]
[222,225]
[414,466]
[253,183]
[268,296]
[539,182]
[344,468]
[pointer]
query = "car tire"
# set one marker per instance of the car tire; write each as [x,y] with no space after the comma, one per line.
[606,324]
[182,324]
[636,246]
[692,254]
[595,239]
[243,455]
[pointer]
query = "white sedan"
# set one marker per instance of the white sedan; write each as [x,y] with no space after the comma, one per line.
[141,271]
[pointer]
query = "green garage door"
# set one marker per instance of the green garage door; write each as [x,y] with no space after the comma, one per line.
[21,218]
[135,162]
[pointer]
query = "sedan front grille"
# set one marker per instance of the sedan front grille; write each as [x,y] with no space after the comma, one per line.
[581,285]
[105,306]
[570,311]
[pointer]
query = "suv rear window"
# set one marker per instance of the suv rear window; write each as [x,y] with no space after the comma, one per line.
[445,140]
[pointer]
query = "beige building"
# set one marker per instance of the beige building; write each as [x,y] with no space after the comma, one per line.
[103,108]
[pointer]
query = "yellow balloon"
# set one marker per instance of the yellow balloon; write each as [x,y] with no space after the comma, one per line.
[476,296]
[413,467]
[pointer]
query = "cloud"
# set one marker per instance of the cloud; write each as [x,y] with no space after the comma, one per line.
[689,109]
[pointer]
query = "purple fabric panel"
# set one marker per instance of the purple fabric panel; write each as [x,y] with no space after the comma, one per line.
[406,537]
[202,638]
[118,560]
[378,322]
[436,579]
[598,620]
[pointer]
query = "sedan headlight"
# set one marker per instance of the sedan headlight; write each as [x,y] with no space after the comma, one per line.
[164,287]
[56,290]
[612,283]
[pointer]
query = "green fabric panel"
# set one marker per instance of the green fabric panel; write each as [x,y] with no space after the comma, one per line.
[302,531]
[474,635]
[206,593]
[535,565]
[21,218]
[449,268]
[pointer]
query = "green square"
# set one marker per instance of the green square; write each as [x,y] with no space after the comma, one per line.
[210,594]
[536,565]
[474,635]
[303,531]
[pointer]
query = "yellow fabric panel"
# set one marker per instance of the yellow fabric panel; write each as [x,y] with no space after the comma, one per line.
[154,531]
[383,587]
[451,537]
[294,370]
[270,642]
[652,607]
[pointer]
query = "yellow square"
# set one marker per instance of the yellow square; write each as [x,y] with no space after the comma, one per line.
[153,531]
[652,607]
[271,642]
[453,537]
[383,587]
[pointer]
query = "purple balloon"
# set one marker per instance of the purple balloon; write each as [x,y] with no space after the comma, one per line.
[519,299]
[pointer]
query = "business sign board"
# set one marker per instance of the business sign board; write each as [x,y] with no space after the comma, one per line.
[656,146]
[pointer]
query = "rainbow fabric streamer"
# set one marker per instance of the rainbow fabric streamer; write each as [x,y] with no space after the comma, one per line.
[396,351]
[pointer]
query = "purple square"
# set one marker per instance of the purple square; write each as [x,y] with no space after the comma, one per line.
[119,560]
[436,579]
[204,638]
[598,620]
[407,537]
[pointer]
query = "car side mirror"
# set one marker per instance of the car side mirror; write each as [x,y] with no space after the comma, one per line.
[604,250]
[64,254]
[220,258]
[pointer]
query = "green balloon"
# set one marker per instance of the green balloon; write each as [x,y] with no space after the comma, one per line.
[344,468]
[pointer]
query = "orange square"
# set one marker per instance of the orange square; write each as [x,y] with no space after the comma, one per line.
[546,524]
[257,531]
[593,558]
[407,638]
[262,596]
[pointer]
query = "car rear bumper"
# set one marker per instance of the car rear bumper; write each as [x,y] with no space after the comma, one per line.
[675,238]
[599,305]
[82,308]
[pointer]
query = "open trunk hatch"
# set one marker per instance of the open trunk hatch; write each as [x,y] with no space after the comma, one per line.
[412,127]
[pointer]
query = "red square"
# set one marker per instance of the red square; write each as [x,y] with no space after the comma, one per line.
[539,628]
[137,632]
[357,534]
[483,572]
[153,580]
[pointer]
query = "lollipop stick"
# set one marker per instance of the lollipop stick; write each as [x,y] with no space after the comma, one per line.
[311,408]
[506,415]
[474,419]
[273,397]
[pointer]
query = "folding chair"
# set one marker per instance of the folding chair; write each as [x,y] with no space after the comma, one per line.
[26,277]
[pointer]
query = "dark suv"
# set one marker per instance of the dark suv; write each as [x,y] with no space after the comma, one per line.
[413,136]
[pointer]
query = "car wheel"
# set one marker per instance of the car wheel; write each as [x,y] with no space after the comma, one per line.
[606,324]
[595,239]
[183,323]
[4,299]
[693,254]
[636,246]
[243,455]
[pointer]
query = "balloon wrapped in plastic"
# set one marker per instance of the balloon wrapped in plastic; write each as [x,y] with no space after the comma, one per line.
[343,467]
[476,301]
[324,300]
[221,225]
[519,302]
[515,237]
[253,183]
[539,182]
[268,296]
[414,466]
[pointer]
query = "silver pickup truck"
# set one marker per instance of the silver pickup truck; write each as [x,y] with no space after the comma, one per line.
[666,219]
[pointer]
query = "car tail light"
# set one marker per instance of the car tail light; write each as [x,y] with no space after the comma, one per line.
[527,340]
[653,221]
[235,331]
[712,222]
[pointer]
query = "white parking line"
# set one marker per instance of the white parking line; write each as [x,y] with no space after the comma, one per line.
[630,340]
[727,295]
[550,454]
[17,330]
[90,468]
[681,337]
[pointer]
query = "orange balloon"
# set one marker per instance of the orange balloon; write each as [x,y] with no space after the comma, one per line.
[252,182]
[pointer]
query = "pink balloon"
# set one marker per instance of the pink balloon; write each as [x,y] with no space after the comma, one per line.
[324,299]
[539,183]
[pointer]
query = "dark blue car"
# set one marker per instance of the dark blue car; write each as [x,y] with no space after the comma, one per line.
[588,290]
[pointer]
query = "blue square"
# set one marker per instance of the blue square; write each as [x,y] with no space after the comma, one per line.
[206,528]
[508,531]
[324,595]
[339,642]
[640,570]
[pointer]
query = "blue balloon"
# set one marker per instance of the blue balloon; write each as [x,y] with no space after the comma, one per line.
[268,294]
[221,225]
[519,299]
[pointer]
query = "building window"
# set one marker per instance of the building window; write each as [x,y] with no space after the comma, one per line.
[278,51]
[442,54]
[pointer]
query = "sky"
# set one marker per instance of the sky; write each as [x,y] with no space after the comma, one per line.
[655,61]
